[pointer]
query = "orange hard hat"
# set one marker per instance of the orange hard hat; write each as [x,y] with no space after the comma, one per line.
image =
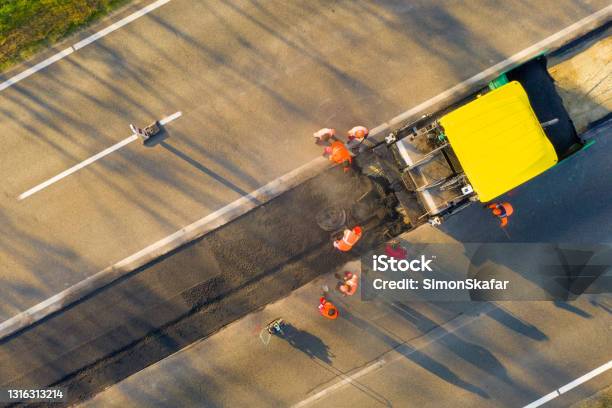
[360,134]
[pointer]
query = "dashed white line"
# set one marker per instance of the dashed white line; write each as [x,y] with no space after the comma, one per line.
[578,381]
[92,159]
[94,37]
[77,167]
[170,118]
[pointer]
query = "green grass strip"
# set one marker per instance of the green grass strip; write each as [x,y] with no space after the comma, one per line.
[26,26]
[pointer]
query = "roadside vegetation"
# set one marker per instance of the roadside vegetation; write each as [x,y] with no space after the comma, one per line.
[27,26]
[603,399]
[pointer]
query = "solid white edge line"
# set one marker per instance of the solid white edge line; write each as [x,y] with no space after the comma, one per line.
[115,26]
[54,58]
[77,167]
[543,400]
[569,386]
[346,380]
[586,377]
[94,37]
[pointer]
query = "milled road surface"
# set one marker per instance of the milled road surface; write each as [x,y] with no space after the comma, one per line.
[253,80]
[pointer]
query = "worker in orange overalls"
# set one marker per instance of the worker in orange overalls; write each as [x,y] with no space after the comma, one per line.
[349,239]
[339,154]
[327,309]
[501,211]
[323,136]
[349,283]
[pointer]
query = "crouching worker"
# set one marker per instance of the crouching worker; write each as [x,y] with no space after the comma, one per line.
[349,239]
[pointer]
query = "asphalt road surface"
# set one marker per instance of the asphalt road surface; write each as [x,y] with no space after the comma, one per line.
[253,81]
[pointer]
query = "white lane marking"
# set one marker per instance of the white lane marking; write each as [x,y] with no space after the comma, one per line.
[170,118]
[13,80]
[94,37]
[586,377]
[92,159]
[77,167]
[543,400]
[346,380]
[562,390]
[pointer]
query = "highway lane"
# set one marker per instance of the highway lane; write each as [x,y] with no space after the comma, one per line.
[253,80]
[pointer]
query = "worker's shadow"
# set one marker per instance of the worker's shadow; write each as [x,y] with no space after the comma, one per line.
[307,343]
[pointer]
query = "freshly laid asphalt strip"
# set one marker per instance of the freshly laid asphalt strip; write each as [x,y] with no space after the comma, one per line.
[184,296]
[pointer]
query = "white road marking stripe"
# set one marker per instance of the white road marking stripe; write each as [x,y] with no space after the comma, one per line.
[119,24]
[36,68]
[170,118]
[77,167]
[92,159]
[347,379]
[543,400]
[94,37]
[562,390]
[586,377]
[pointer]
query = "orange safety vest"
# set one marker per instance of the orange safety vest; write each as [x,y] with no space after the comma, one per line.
[349,238]
[339,153]
[328,309]
[358,132]
[502,211]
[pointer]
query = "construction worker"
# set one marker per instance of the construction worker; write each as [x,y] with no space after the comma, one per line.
[323,136]
[356,136]
[349,239]
[339,154]
[501,211]
[395,250]
[358,132]
[327,309]
[349,283]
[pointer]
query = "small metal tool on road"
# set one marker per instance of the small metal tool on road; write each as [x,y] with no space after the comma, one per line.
[275,327]
[146,133]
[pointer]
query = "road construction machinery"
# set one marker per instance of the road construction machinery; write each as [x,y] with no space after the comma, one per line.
[491,142]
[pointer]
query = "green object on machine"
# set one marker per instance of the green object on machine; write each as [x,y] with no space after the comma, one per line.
[499,81]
